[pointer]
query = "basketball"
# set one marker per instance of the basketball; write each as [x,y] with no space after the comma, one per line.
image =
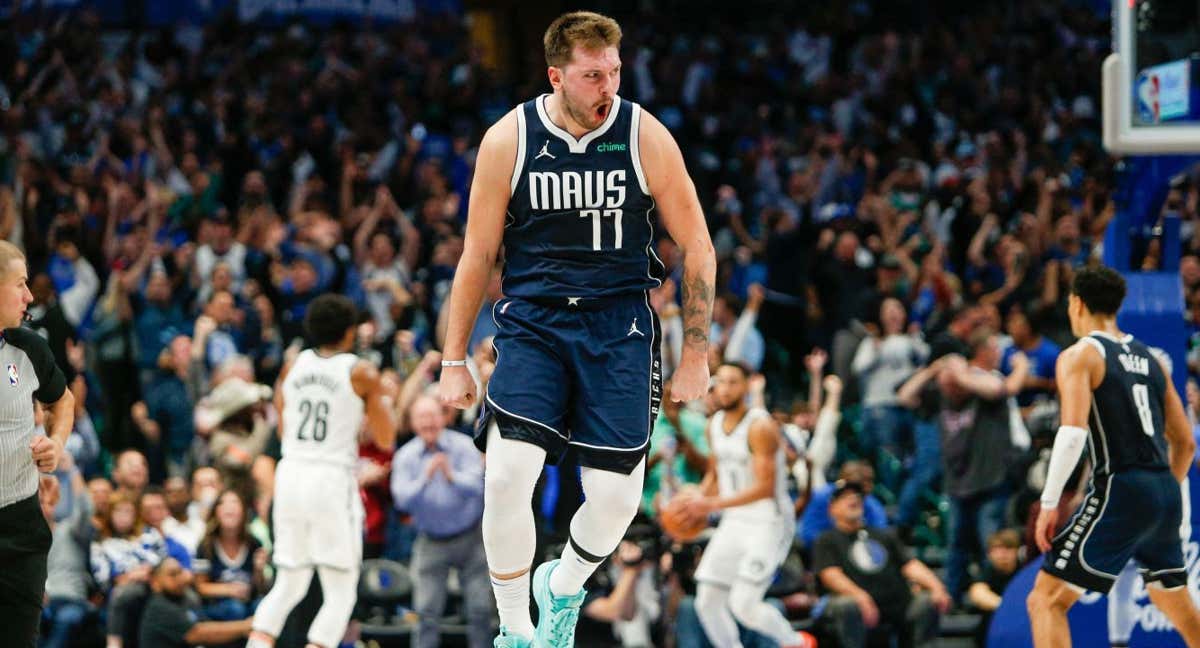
[676,523]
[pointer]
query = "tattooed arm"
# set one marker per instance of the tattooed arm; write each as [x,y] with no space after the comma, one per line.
[669,183]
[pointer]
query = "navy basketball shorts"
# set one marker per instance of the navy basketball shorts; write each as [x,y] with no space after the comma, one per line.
[581,372]
[1131,514]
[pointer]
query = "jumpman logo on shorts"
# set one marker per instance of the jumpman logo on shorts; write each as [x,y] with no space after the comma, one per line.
[545,152]
[634,329]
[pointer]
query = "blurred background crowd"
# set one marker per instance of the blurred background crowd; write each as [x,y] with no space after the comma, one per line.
[899,194]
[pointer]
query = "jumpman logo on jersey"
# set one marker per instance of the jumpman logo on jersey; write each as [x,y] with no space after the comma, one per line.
[634,329]
[545,152]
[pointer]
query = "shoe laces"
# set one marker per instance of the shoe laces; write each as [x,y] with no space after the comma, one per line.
[562,625]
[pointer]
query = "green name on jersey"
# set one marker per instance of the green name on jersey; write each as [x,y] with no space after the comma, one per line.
[605,147]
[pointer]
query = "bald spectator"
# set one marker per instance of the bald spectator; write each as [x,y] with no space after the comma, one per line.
[438,478]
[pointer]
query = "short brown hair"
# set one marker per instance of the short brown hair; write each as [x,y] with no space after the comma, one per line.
[9,252]
[586,28]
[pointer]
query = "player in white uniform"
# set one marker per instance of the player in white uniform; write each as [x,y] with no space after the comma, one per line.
[323,397]
[747,483]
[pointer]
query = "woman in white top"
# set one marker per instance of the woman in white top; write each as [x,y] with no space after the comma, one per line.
[882,363]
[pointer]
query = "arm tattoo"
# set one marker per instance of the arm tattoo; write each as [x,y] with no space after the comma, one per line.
[697,297]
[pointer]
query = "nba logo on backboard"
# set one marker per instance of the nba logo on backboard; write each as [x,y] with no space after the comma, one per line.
[1146,98]
[13,378]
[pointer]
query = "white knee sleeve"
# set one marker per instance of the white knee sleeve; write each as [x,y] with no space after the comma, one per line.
[291,584]
[611,499]
[712,608]
[748,607]
[1122,613]
[510,474]
[339,590]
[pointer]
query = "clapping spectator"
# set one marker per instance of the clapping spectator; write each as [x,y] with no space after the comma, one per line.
[438,477]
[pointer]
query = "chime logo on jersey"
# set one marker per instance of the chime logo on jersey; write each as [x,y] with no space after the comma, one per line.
[577,189]
[13,377]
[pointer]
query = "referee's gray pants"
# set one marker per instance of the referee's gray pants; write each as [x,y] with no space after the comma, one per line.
[431,564]
[24,542]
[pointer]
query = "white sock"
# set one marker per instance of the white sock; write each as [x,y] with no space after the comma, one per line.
[611,499]
[571,573]
[512,602]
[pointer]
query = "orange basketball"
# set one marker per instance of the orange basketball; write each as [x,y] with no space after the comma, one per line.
[676,523]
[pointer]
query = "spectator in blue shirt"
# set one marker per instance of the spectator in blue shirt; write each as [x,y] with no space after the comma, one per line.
[438,478]
[165,418]
[1042,354]
[816,519]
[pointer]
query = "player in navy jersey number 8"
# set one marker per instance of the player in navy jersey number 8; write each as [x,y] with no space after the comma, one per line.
[569,182]
[1118,401]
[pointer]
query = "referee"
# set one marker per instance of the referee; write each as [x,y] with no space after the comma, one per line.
[27,371]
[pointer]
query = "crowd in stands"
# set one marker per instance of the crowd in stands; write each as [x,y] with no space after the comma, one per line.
[897,218]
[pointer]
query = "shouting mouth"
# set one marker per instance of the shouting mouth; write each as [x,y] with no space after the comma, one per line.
[601,111]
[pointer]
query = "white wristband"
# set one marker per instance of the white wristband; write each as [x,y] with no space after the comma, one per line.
[1068,445]
[454,363]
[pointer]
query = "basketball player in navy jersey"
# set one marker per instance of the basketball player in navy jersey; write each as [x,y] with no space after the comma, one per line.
[1115,399]
[569,183]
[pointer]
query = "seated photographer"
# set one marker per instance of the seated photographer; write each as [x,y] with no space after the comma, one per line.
[612,603]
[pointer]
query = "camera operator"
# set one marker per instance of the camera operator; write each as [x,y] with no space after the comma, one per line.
[612,602]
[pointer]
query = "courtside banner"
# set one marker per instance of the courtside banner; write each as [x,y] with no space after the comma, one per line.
[1089,617]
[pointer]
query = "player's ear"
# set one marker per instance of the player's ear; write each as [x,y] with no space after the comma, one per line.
[555,74]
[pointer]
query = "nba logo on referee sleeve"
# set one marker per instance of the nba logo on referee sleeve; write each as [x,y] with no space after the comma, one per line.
[13,378]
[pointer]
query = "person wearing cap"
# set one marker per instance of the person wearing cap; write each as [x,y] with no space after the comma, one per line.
[31,374]
[816,519]
[868,574]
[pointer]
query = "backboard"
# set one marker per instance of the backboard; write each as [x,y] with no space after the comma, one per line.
[1151,81]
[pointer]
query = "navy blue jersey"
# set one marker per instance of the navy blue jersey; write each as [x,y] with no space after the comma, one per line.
[580,221]
[1127,417]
